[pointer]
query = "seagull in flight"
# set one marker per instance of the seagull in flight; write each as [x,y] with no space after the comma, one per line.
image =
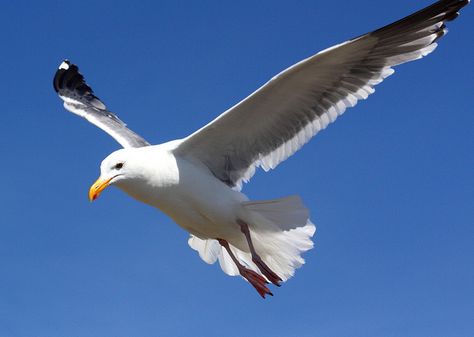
[197,180]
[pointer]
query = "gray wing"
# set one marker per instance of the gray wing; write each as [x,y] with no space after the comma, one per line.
[276,120]
[79,99]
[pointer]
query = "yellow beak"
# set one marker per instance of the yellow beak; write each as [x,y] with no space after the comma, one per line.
[98,187]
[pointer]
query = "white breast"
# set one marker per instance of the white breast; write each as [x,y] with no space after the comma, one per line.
[189,194]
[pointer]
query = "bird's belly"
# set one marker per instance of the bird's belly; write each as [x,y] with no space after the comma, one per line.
[205,214]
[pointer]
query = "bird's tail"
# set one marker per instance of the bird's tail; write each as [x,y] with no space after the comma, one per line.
[280,230]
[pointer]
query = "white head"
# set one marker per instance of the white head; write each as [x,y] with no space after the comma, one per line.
[119,167]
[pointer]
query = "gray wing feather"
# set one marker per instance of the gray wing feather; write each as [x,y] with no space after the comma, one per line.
[276,120]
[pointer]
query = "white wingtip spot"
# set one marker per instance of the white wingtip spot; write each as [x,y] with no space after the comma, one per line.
[64,65]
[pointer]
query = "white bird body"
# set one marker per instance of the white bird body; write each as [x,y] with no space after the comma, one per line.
[187,193]
[196,181]
[209,209]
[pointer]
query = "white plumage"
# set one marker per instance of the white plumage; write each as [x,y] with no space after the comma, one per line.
[197,180]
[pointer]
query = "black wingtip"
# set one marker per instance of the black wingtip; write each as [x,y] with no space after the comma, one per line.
[69,81]
[68,76]
[440,11]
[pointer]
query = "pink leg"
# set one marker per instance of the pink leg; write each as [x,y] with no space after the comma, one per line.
[274,278]
[258,282]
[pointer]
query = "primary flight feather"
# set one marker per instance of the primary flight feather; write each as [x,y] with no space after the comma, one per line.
[197,180]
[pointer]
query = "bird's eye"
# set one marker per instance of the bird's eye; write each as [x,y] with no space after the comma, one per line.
[118,166]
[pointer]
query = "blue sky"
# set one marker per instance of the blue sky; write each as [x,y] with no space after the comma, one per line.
[390,185]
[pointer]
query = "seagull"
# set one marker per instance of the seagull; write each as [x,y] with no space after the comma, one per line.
[197,180]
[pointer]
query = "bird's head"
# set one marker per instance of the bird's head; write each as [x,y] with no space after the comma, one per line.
[118,167]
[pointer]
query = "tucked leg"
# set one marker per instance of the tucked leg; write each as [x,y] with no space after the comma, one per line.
[274,278]
[258,282]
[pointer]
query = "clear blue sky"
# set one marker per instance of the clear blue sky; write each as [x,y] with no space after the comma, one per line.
[390,184]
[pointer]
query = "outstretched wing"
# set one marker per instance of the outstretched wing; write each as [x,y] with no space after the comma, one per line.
[79,98]
[276,120]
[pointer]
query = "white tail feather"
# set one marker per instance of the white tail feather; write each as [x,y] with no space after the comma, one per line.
[280,230]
